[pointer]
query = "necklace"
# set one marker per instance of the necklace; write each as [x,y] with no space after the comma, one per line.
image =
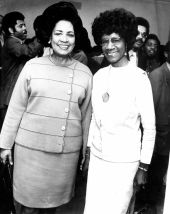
[106,95]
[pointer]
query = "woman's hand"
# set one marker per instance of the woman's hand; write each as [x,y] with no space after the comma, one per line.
[6,155]
[85,162]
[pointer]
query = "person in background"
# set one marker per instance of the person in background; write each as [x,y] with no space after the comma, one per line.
[143,31]
[14,54]
[151,56]
[48,120]
[121,100]
[160,81]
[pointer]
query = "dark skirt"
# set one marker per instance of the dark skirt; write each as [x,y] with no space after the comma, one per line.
[43,179]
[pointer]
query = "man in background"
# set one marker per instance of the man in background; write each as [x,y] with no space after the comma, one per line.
[143,32]
[152,55]
[15,53]
[160,81]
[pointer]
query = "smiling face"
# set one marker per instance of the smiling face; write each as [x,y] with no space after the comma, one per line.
[114,49]
[63,38]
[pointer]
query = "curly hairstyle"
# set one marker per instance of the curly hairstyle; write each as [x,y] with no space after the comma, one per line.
[119,21]
[54,14]
[10,20]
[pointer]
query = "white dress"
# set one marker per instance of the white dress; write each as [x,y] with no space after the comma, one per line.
[121,99]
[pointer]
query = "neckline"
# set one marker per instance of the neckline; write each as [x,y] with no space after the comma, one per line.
[71,62]
[119,69]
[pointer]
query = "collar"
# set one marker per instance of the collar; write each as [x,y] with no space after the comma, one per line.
[21,41]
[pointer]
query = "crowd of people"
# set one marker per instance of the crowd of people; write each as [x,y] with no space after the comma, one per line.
[65,105]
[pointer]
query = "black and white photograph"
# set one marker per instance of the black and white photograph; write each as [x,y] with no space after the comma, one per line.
[84,106]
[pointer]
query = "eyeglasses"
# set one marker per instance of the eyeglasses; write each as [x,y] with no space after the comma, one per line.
[113,40]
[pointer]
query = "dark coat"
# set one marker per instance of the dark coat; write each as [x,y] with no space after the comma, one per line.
[14,55]
[160,81]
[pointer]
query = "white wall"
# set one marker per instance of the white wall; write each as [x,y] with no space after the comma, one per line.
[155,11]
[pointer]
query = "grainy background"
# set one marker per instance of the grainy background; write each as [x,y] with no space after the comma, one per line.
[156,11]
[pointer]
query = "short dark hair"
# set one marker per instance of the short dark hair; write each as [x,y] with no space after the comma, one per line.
[10,20]
[143,22]
[154,37]
[118,21]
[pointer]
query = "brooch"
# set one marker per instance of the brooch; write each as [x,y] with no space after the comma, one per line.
[105,97]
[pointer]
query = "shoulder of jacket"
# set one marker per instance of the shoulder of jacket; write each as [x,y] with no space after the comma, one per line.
[37,61]
[83,67]
[158,71]
[13,40]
